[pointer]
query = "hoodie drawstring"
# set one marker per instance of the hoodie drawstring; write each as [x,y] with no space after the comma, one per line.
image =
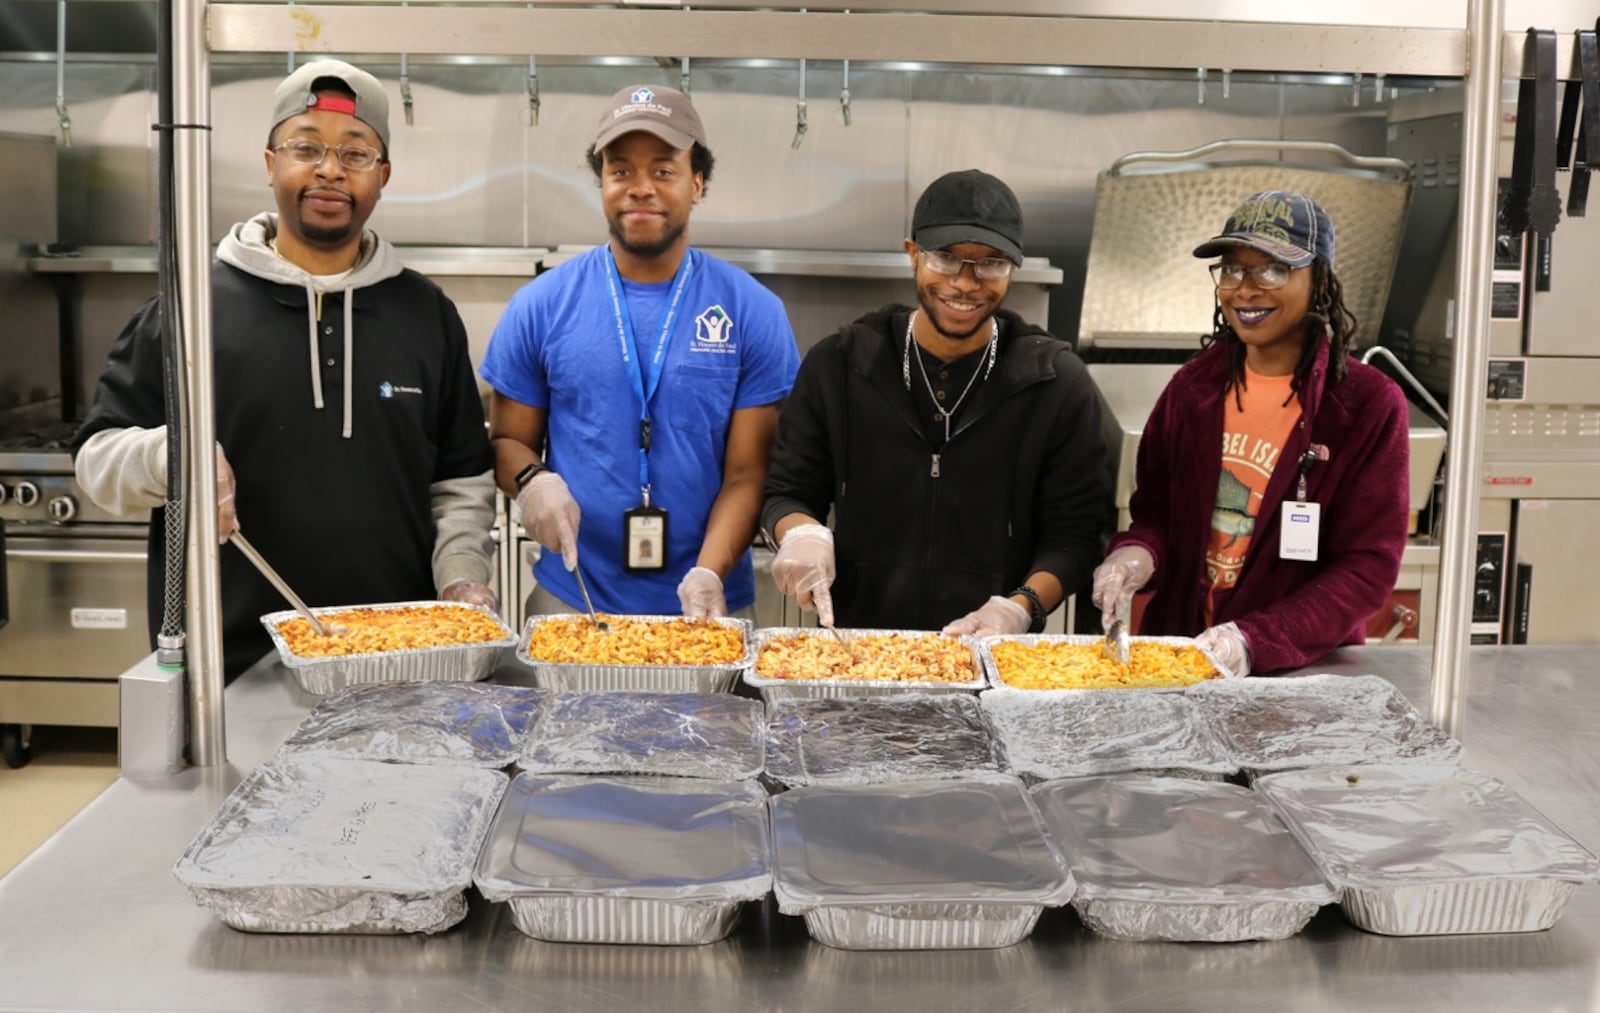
[313,315]
[313,311]
[349,358]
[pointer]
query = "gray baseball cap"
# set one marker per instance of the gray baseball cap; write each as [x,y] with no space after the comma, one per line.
[298,93]
[655,109]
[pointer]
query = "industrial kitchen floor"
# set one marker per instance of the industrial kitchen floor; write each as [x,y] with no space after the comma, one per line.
[70,766]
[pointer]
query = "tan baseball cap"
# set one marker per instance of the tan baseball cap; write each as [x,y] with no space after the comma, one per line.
[655,109]
[298,93]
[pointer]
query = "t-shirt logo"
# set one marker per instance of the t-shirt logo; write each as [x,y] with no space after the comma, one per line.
[714,327]
[389,390]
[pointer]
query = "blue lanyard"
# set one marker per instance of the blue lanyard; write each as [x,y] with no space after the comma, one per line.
[644,386]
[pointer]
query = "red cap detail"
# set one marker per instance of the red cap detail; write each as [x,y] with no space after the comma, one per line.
[332,103]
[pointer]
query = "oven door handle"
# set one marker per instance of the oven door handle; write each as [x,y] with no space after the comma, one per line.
[75,556]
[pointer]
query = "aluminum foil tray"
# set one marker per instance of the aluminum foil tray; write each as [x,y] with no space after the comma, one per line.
[1079,733]
[645,678]
[876,740]
[655,860]
[465,723]
[992,671]
[455,663]
[1180,860]
[331,845]
[1320,720]
[914,865]
[790,689]
[1420,851]
[709,735]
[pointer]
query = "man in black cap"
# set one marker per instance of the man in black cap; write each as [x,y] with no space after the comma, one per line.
[959,447]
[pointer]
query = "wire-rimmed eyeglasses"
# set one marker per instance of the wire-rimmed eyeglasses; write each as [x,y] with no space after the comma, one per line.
[355,157]
[986,268]
[1267,276]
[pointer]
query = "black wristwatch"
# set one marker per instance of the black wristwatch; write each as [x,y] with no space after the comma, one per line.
[1036,607]
[526,474]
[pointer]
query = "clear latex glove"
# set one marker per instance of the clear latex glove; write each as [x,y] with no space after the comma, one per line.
[470,592]
[997,617]
[803,568]
[700,594]
[1227,644]
[549,513]
[227,508]
[1124,571]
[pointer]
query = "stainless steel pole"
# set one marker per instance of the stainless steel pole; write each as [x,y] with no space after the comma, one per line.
[192,166]
[1480,138]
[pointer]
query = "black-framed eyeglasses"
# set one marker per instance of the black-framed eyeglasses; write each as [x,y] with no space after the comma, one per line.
[355,157]
[986,268]
[1267,276]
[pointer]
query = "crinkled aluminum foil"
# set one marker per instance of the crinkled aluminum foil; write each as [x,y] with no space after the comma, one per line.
[1175,859]
[710,735]
[1420,850]
[475,724]
[1079,733]
[331,845]
[1320,720]
[875,740]
[642,837]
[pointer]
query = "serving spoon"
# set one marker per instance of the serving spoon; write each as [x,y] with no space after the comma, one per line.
[599,624]
[1116,642]
[250,553]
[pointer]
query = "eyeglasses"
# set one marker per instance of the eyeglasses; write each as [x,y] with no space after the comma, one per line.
[355,157]
[1267,276]
[987,268]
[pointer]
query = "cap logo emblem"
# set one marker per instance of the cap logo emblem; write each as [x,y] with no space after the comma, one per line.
[641,96]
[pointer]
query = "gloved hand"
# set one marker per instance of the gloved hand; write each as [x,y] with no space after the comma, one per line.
[994,618]
[803,568]
[1124,571]
[227,508]
[1228,645]
[551,515]
[700,594]
[470,592]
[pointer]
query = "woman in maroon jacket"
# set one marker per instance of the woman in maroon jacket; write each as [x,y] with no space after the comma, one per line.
[1278,549]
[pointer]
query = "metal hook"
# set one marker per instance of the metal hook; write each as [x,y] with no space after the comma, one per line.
[533,91]
[405,87]
[1200,85]
[1377,87]
[800,109]
[63,120]
[1227,84]
[844,91]
[1355,90]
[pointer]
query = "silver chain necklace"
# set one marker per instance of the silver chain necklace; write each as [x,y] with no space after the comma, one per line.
[989,354]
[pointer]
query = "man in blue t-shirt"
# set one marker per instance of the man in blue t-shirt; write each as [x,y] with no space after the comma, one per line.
[636,389]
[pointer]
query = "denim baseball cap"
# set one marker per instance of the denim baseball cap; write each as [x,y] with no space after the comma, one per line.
[1285,225]
[655,109]
[969,206]
[298,93]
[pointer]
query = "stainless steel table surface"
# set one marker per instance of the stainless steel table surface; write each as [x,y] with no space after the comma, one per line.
[94,919]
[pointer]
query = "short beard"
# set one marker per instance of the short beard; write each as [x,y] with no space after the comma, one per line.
[318,235]
[930,309]
[647,251]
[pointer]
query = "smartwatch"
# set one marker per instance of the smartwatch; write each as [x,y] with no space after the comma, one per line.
[526,474]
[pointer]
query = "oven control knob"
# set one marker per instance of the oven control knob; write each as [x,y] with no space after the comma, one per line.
[26,494]
[5,493]
[63,509]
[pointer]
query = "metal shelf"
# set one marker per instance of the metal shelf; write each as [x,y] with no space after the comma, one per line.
[829,263]
[439,261]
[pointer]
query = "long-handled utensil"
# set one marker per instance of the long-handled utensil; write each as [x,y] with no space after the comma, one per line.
[1116,643]
[602,626]
[250,553]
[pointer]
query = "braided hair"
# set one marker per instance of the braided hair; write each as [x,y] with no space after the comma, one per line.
[1327,313]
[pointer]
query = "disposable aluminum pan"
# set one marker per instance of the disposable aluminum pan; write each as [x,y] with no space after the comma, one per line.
[453,663]
[465,723]
[915,865]
[654,860]
[790,689]
[1180,860]
[330,845]
[709,735]
[876,740]
[1320,720]
[1428,851]
[992,669]
[573,677]
[1081,733]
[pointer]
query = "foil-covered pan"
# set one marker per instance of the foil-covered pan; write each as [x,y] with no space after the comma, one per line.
[1082,733]
[654,860]
[708,735]
[1430,851]
[789,689]
[320,844]
[575,677]
[915,865]
[1180,860]
[451,663]
[992,669]
[1320,720]
[466,723]
[876,740]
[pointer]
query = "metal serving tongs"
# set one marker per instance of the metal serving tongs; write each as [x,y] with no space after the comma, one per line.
[599,624]
[250,553]
[1116,643]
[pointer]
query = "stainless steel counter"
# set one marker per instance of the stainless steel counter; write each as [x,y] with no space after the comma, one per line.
[94,919]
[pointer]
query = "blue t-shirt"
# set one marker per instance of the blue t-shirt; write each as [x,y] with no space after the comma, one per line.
[556,348]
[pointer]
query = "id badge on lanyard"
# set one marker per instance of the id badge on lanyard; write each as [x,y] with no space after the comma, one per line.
[644,528]
[1300,521]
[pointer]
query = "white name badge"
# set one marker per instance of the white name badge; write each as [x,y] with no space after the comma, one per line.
[1298,532]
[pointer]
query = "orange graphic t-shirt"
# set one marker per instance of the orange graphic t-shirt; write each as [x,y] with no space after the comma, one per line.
[1251,442]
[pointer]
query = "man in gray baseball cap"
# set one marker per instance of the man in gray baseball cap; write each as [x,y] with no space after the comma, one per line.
[319,84]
